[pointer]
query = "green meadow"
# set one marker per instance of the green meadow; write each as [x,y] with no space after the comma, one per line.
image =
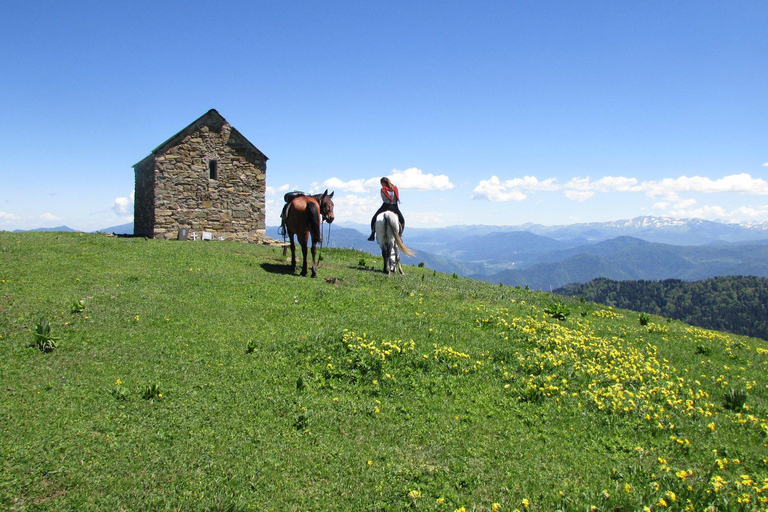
[201,376]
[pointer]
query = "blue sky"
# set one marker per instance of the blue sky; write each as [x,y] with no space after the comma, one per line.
[481,112]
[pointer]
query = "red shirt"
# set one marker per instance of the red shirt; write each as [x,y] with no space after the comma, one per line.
[390,195]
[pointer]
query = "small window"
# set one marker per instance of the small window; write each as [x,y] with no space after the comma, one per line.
[213,169]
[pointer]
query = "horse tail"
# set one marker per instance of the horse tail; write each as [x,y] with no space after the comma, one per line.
[393,225]
[313,218]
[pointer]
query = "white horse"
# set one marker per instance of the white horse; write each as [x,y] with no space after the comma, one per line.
[388,236]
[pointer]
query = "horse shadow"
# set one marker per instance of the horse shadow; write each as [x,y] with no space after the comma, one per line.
[275,268]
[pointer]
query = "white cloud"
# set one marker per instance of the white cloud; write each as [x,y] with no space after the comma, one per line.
[7,216]
[124,205]
[581,189]
[735,183]
[496,191]
[765,164]
[579,195]
[360,186]
[606,184]
[685,204]
[415,179]
[578,189]
[271,191]
[354,208]
[49,216]
[704,212]
[409,179]
[685,209]
[751,212]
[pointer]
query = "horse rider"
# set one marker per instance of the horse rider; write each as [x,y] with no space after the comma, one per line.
[390,196]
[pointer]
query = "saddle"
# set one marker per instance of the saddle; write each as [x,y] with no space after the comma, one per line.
[288,197]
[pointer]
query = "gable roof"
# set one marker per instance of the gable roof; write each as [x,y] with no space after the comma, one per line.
[214,120]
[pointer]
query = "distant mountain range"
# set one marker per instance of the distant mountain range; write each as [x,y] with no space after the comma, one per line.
[123,229]
[548,257]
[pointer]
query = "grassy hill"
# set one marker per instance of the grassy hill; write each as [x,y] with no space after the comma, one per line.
[204,376]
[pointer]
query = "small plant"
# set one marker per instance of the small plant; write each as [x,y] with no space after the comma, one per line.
[301,421]
[455,275]
[119,391]
[557,310]
[362,263]
[152,392]
[421,264]
[78,306]
[704,351]
[735,399]
[44,338]
[644,319]
[251,347]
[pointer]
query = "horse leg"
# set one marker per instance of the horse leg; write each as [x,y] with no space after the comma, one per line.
[303,242]
[314,252]
[293,253]
[385,256]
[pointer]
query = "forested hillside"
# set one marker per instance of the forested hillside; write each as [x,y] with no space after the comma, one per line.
[735,304]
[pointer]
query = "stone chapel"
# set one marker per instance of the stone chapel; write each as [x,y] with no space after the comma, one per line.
[206,178]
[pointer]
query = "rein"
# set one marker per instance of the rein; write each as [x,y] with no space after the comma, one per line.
[322,240]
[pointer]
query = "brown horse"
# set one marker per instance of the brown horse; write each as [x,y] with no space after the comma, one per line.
[303,218]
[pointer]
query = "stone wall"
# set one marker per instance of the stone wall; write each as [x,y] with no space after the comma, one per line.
[184,195]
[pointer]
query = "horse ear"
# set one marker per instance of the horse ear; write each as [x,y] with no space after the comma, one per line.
[326,192]
[332,194]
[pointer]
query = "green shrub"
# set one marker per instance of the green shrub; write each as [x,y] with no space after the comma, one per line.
[735,399]
[78,306]
[557,310]
[152,392]
[45,341]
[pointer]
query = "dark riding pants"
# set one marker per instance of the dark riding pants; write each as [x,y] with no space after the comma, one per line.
[388,207]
